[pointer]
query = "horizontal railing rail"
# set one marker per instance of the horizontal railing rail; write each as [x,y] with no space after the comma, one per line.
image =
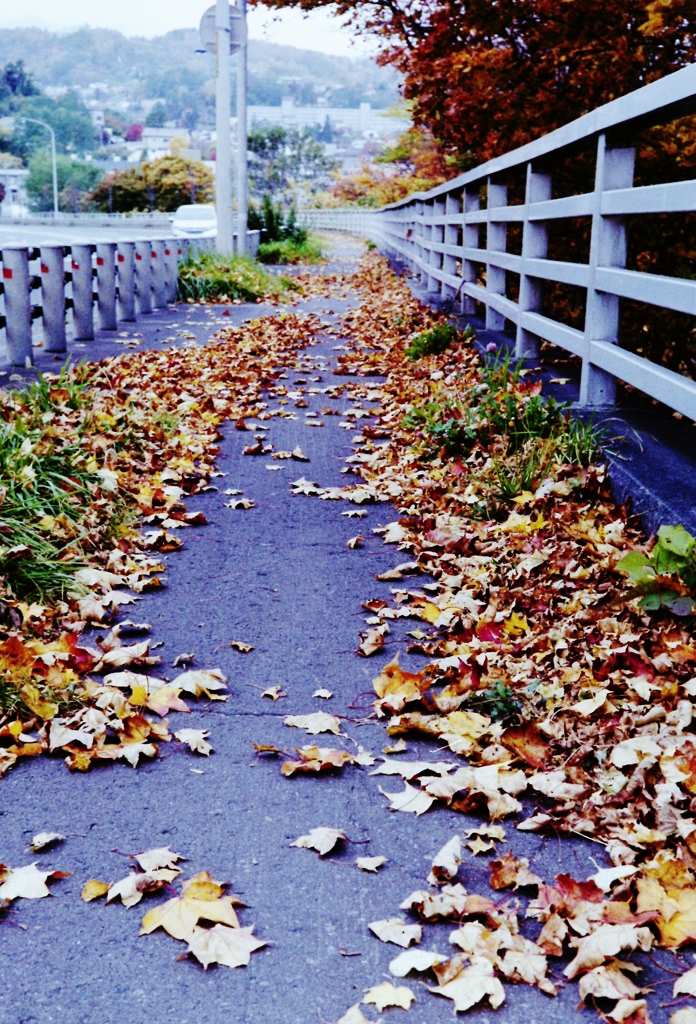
[438,235]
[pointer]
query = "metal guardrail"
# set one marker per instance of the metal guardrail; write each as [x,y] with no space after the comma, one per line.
[60,285]
[437,233]
[359,222]
[131,278]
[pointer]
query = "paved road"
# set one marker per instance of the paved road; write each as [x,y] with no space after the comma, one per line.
[279,577]
[65,234]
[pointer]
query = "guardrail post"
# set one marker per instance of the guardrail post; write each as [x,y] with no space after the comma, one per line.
[470,240]
[83,298]
[15,279]
[615,168]
[170,268]
[418,232]
[125,264]
[53,297]
[453,206]
[159,275]
[535,243]
[495,242]
[106,285]
[143,277]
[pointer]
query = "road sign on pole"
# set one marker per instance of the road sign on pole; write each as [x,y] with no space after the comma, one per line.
[238,29]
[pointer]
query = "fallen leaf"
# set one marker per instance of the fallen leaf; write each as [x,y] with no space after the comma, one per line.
[43,840]
[201,681]
[231,947]
[316,759]
[27,883]
[196,740]
[94,890]
[386,994]
[414,960]
[317,722]
[473,984]
[324,694]
[241,646]
[183,659]
[446,862]
[394,929]
[370,863]
[354,1016]
[274,693]
[414,801]
[321,839]
[606,941]
[355,542]
[298,455]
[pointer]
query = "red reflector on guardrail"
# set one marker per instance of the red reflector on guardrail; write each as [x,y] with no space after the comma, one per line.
[100,261]
[75,266]
[138,256]
[154,255]
[7,273]
[121,259]
[167,252]
[44,268]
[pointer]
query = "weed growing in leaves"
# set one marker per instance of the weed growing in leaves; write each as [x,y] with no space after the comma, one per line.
[214,278]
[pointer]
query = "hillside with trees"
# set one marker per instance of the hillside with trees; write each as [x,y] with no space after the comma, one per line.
[169,68]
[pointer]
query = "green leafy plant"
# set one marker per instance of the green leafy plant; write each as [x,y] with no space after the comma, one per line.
[436,341]
[667,577]
[288,251]
[497,701]
[211,277]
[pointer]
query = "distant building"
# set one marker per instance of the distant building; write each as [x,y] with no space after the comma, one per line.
[160,138]
[14,181]
[356,119]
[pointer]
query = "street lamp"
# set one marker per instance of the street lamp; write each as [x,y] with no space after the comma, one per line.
[53,160]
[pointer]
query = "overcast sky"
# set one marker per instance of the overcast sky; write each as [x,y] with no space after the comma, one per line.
[319,31]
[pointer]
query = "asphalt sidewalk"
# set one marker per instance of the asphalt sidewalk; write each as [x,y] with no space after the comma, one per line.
[278,576]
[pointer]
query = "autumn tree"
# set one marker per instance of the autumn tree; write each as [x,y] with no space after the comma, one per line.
[486,76]
[163,184]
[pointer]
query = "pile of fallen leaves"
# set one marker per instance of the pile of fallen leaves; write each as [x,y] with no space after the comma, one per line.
[569,705]
[117,447]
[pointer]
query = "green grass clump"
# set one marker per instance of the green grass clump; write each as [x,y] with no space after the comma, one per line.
[290,251]
[216,278]
[436,341]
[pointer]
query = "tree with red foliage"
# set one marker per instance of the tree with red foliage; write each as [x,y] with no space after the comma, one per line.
[485,76]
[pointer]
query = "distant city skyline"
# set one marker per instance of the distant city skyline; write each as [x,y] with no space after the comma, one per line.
[319,31]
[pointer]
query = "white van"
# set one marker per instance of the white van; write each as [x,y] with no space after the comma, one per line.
[196,221]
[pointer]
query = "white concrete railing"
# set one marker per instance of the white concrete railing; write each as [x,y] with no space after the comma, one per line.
[437,234]
[359,222]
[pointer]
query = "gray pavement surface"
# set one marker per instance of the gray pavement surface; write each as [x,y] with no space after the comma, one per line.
[280,577]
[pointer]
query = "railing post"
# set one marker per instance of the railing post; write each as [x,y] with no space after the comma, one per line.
[170,268]
[159,275]
[470,239]
[83,299]
[106,285]
[615,168]
[453,206]
[418,232]
[15,279]
[143,277]
[53,297]
[496,241]
[125,263]
[535,242]
[435,235]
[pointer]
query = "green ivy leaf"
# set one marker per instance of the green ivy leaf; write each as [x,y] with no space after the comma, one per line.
[677,540]
[636,566]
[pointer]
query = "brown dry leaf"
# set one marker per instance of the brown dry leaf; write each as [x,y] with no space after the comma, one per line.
[512,871]
[372,641]
[680,928]
[315,723]
[686,985]
[395,687]
[386,994]
[414,960]
[94,890]
[608,982]
[323,693]
[687,1015]
[201,681]
[355,542]
[395,930]
[202,899]
[316,759]
[231,947]
[321,839]
[606,941]
[241,646]
[446,862]
[274,693]
[372,864]
[196,740]
[472,985]
[298,455]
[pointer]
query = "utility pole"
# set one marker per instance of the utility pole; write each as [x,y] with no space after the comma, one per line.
[242,177]
[223,148]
